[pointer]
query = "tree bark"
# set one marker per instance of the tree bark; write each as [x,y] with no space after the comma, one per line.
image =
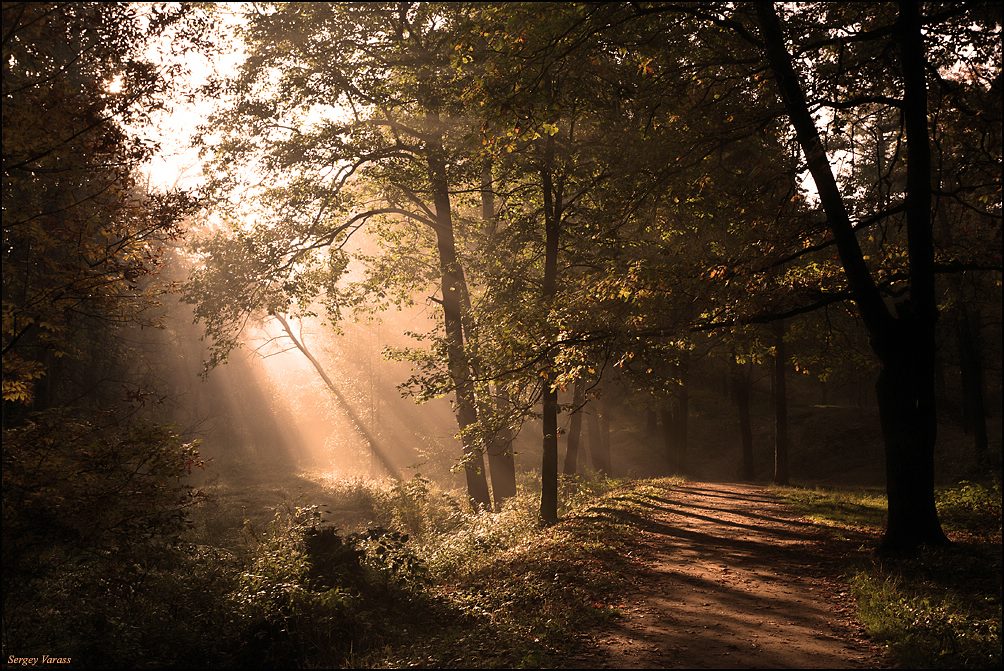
[913,517]
[593,435]
[674,413]
[501,460]
[571,465]
[909,445]
[667,414]
[600,446]
[780,406]
[741,385]
[454,289]
[651,421]
[549,402]
[683,414]
[904,344]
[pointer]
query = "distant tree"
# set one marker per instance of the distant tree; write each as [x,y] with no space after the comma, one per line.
[373,444]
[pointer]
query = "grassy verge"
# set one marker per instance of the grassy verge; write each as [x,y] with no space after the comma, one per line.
[942,607]
[513,595]
[355,574]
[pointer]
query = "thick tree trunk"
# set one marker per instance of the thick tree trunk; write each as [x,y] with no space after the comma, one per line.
[549,462]
[904,344]
[571,465]
[552,224]
[908,389]
[780,406]
[741,387]
[454,289]
[909,444]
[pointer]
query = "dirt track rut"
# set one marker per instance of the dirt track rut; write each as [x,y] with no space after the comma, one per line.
[731,578]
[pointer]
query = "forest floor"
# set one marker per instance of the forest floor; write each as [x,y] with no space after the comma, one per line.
[729,577]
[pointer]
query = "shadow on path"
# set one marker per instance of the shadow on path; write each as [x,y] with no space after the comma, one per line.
[728,577]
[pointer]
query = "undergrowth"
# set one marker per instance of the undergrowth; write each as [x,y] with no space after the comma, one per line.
[940,608]
[406,574]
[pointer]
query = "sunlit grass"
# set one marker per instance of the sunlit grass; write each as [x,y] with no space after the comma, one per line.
[940,608]
[848,508]
[518,594]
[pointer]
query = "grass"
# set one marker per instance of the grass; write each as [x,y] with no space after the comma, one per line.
[942,607]
[518,596]
[412,577]
[860,509]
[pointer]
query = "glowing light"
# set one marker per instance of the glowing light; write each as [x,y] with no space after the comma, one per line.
[116,85]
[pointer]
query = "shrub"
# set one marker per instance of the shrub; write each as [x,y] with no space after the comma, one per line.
[971,506]
[480,536]
[577,491]
[94,513]
[311,595]
[420,509]
[474,539]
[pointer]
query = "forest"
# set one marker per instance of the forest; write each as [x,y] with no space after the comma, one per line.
[502,335]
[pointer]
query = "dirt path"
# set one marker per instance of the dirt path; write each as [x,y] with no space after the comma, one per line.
[732,579]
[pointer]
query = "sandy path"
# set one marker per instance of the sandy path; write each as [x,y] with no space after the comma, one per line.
[731,579]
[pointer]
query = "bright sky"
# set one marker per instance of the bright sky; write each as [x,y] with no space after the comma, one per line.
[177,163]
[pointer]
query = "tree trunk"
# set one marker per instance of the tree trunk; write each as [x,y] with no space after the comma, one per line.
[904,344]
[780,406]
[571,465]
[552,222]
[651,421]
[971,368]
[593,424]
[599,437]
[374,446]
[913,517]
[683,414]
[741,384]
[667,414]
[454,289]
[501,460]
[549,462]
[601,446]
[674,414]
[909,443]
